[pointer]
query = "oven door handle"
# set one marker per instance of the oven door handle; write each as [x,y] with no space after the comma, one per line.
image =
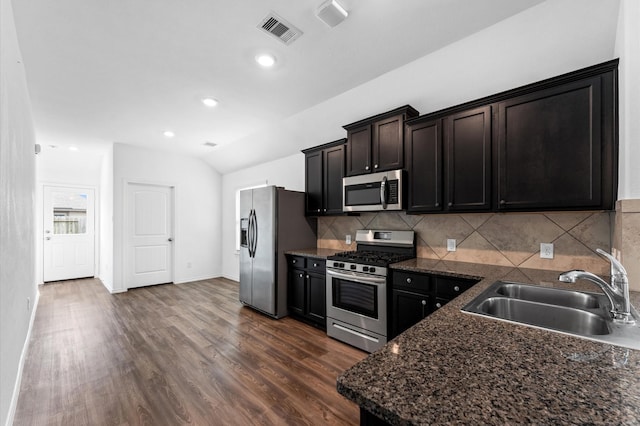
[354,276]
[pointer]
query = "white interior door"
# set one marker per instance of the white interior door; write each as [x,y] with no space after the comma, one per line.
[149,230]
[69,233]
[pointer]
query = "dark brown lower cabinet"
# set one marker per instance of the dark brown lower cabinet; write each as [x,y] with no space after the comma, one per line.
[368,419]
[306,298]
[414,296]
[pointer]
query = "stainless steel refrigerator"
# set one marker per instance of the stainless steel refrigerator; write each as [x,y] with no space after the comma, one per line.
[272,222]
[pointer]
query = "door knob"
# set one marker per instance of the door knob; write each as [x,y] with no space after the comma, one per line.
[170,239]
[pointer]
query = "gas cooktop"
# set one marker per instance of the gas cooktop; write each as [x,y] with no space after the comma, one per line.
[373,258]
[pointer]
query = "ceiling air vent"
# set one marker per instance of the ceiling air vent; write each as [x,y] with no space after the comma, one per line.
[279,28]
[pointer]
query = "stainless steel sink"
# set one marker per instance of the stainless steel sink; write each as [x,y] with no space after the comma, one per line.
[554,296]
[580,314]
[569,320]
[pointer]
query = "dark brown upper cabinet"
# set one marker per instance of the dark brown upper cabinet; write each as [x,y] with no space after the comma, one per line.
[553,147]
[550,145]
[376,144]
[424,165]
[324,170]
[468,159]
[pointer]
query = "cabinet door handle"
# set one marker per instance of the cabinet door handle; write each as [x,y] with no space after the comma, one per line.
[438,305]
[503,202]
[307,276]
[293,261]
[424,302]
[366,167]
[456,288]
[450,204]
[408,280]
[318,210]
[375,166]
[437,204]
[301,275]
[315,265]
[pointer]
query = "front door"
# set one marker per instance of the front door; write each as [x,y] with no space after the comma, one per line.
[69,243]
[149,230]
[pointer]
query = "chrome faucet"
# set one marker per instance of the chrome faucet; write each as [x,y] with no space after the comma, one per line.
[617,292]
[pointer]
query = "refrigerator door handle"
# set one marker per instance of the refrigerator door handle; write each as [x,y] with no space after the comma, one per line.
[250,234]
[255,233]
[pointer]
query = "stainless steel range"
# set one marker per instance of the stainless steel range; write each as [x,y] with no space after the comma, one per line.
[357,287]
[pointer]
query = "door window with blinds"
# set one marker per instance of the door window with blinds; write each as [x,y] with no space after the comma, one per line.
[69,213]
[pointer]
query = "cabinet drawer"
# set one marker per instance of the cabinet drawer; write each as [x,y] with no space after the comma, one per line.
[316,265]
[449,288]
[412,281]
[297,262]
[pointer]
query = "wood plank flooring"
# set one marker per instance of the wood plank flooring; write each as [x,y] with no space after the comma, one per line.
[176,354]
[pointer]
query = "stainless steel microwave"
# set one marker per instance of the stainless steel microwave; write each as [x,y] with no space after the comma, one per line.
[373,192]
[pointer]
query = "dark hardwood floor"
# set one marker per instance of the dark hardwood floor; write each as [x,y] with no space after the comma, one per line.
[176,354]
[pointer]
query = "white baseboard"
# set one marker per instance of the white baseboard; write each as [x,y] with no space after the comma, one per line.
[23,356]
[229,277]
[192,279]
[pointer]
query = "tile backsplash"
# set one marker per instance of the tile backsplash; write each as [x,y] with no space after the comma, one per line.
[508,239]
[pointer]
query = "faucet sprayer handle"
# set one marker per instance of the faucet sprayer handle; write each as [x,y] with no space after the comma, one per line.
[615,264]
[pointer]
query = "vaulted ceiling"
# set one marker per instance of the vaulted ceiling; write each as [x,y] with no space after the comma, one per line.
[101,72]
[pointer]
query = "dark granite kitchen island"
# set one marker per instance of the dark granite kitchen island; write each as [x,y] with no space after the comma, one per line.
[457,368]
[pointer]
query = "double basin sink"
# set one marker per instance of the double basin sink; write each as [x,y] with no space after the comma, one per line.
[580,314]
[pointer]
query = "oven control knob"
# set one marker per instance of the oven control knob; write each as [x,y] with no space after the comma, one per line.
[365,269]
[336,264]
[341,265]
[353,266]
[408,280]
[372,269]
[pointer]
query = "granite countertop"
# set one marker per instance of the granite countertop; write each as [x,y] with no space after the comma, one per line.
[318,253]
[454,367]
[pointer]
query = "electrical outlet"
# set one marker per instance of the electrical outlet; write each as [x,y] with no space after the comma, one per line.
[347,239]
[546,250]
[451,244]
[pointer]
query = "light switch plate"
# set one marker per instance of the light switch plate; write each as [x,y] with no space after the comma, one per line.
[546,250]
[347,239]
[451,244]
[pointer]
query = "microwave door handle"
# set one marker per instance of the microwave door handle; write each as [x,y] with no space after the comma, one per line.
[383,192]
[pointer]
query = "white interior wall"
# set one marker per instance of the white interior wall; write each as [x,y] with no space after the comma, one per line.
[287,172]
[628,50]
[17,218]
[105,228]
[197,209]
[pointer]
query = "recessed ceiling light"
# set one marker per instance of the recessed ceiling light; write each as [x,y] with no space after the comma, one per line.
[210,102]
[168,134]
[73,148]
[266,60]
